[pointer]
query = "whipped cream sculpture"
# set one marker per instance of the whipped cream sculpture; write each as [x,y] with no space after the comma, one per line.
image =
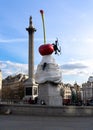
[48,69]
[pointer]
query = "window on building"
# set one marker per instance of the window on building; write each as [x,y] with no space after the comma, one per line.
[29,91]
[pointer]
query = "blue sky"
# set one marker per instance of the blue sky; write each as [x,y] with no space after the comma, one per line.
[71,21]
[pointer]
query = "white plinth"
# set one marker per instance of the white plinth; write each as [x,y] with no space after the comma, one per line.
[50,94]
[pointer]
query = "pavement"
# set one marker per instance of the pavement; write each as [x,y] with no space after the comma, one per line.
[17,122]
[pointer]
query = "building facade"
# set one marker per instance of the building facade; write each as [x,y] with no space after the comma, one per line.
[67,94]
[13,87]
[0,79]
[87,89]
[0,83]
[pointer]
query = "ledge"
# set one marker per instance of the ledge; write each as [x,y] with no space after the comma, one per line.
[43,110]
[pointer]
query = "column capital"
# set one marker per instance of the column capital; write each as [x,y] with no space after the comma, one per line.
[30,29]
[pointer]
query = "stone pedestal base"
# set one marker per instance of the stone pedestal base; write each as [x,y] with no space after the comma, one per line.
[49,94]
[30,89]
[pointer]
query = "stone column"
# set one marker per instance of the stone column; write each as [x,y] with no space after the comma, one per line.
[31,88]
[31,31]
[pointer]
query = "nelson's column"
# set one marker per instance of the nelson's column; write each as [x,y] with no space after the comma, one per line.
[31,88]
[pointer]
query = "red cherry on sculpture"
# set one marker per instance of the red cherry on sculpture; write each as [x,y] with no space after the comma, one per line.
[46,49]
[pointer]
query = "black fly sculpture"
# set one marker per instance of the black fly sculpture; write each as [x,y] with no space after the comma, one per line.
[44,66]
[57,48]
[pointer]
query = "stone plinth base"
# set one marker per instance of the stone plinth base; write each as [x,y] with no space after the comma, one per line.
[49,94]
[30,89]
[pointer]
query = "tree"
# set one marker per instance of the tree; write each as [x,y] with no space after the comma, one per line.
[73,96]
[21,92]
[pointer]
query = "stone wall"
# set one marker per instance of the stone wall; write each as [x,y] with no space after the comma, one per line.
[43,110]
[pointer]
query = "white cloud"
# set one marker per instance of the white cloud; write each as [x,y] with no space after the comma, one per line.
[80,69]
[12,68]
[12,40]
[4,40]
[77,71]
